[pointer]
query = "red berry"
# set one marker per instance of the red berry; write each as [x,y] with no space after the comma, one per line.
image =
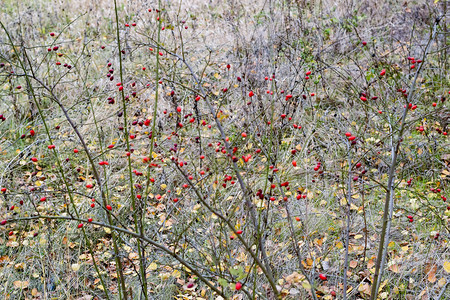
[323,277]
[108,207]
[80,225]
[246,158]
[238,286]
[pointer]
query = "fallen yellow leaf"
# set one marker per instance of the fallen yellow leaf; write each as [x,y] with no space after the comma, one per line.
[432,274]
[306,285]
[447,266]
[442,282]
[153,266]
[394,268]
[364,288]
[75,267]
[21,284]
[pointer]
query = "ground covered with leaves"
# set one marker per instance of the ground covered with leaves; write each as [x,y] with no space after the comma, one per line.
[224,150]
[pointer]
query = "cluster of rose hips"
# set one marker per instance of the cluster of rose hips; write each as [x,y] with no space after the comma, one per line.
[357,166]
[411,106]
[318,166]
[364,97]
[413,61]
[403,91]
[409,182]
[351,138]
[438,191]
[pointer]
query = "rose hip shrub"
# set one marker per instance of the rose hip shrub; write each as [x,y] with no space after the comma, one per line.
[215,150]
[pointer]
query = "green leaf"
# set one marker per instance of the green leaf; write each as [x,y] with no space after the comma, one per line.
[237,272]
[222,282]
[242,276]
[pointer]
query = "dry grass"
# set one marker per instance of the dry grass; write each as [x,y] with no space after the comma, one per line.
[258,38]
